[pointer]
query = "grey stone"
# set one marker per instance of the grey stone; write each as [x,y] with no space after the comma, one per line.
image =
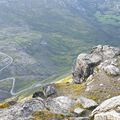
[49,90]
[60,105]
[110,67]
[22,111]
[79,111]
[109,109]
[84,66]
[112,70]
[100,56]
[32,105]
[112,115]
[80,118]
[87,103]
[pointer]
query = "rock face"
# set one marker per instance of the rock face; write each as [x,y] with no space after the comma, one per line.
[108,110]
[104,57]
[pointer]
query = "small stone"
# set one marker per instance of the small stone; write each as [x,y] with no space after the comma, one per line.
[80,118]
[87,103]
[49,90]
[38,94]
[101,84]
[79,111]
[118,79]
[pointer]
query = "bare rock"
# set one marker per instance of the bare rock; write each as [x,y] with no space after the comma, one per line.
[112,115]
[49,90]
[80,118]
[38,94]
[84,66]
[32,105]
[87,103]
[110,67]
[78,111]
[112,70]
[108,110]
[60,105]
[22,111]
[103,57]
[106,51]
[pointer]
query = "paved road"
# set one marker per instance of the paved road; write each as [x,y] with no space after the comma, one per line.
[9,60]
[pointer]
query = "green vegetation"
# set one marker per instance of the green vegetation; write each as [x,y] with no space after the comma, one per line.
[46,115]
[44,41]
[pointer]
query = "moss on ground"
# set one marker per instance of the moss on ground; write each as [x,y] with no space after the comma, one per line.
[66,79]
[110,87]
[4,105]
[46,115]
[69,89]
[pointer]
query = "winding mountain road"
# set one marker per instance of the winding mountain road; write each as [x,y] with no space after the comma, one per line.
[9,61]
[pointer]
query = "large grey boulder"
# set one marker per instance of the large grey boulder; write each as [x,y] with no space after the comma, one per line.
[32,105]
[105,56]
[60,105]
[108,110]
[84,66]
[86,103]
[112,115]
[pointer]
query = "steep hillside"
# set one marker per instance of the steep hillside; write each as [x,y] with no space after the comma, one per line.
[81,96]
[43,37]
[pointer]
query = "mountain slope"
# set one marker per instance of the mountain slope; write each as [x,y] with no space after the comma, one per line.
[44,37]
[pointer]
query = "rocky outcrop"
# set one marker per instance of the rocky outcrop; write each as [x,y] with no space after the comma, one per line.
[103,57]
[108,110]
[22,111]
